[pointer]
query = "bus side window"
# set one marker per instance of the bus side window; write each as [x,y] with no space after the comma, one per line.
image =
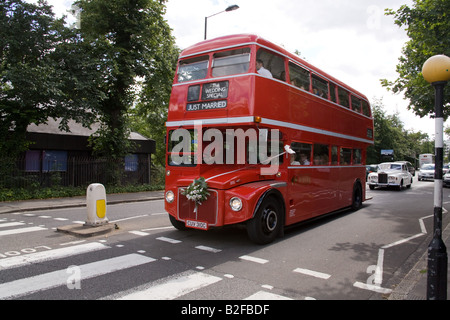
[357,156]
[334,155]
[303,153]
[333,92]
[272,62]
[321,155]
[299,76]
[320,87]
[343,97]
[366,108]
[356,104]
[346,156]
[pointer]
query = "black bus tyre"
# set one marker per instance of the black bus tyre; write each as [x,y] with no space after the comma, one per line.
[357,197]
[265,225]
[177,224]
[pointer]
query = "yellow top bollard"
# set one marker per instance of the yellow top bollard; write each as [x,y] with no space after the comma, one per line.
[96,205]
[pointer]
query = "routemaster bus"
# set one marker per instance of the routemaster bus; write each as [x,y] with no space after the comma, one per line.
[257,135]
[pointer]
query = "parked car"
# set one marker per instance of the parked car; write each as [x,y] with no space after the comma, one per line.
[426,172]
[409,166]
[390,174]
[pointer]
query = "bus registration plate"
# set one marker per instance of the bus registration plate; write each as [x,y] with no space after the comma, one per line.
[197,224]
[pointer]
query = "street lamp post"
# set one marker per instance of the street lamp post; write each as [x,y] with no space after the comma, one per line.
[436,70]
[230,8]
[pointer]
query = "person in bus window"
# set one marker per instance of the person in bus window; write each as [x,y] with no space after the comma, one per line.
[292,159]
[261,70]
[304,160]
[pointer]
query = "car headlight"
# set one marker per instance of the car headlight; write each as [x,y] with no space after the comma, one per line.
[170,196]
[235,204]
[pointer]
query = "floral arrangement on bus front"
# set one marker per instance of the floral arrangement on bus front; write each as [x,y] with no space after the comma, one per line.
[197,191]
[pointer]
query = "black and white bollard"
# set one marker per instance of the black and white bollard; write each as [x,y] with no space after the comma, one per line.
[436,70]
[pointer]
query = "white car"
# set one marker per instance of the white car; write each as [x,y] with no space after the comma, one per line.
[390,174]
[426,172]
[447,179]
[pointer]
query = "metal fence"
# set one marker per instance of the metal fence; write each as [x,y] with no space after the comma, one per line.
[75,171]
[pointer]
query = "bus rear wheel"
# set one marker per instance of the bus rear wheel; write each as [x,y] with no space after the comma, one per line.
[357,197]
[265,225]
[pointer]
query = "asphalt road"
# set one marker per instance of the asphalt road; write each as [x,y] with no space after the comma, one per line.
[349,256]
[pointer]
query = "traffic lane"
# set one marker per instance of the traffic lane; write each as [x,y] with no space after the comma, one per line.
[346,247]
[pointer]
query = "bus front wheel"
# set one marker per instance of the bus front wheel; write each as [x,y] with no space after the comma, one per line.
[265,225]
[177,224]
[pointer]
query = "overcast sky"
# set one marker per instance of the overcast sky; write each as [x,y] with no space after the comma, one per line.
[350,39]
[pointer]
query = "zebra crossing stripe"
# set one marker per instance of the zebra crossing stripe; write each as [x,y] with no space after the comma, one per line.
[11,224]
[22,230]
[61,277]
[18,261]
[174,287]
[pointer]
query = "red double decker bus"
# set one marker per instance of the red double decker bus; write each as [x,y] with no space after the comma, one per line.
[257,135]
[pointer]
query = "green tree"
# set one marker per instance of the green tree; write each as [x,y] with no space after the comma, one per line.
[150,113]
[131,39]
[389,133]
[44,72]
[427,25]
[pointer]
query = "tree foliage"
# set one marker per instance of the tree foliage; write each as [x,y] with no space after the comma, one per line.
[45,72]
[119,63]
[134,44]
[390,134]
[427,25]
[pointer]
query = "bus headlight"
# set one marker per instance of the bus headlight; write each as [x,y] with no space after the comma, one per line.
[170,196]
[235,204]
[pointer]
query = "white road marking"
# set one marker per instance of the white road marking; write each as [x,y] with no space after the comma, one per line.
[173,288]
[22,230]
[139,233]
[22,260]
[262,295]
[313,273]
[11,224]
[209,249]
[371,287]
[61,277]
[158,228]
[254,259]
[168,240]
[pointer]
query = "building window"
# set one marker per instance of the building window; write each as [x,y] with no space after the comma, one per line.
[33,161]
[131,162]
[54,161]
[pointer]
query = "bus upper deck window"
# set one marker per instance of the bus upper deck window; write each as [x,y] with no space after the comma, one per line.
[272,62]
[299,76]
[343,97]
[366,108]
[356,104]
[193,69]
[231,62]
[320,87]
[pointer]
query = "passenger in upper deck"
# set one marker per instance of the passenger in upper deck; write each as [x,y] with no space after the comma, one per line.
[261,70]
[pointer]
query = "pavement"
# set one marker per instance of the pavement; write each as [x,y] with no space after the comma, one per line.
[409,282]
